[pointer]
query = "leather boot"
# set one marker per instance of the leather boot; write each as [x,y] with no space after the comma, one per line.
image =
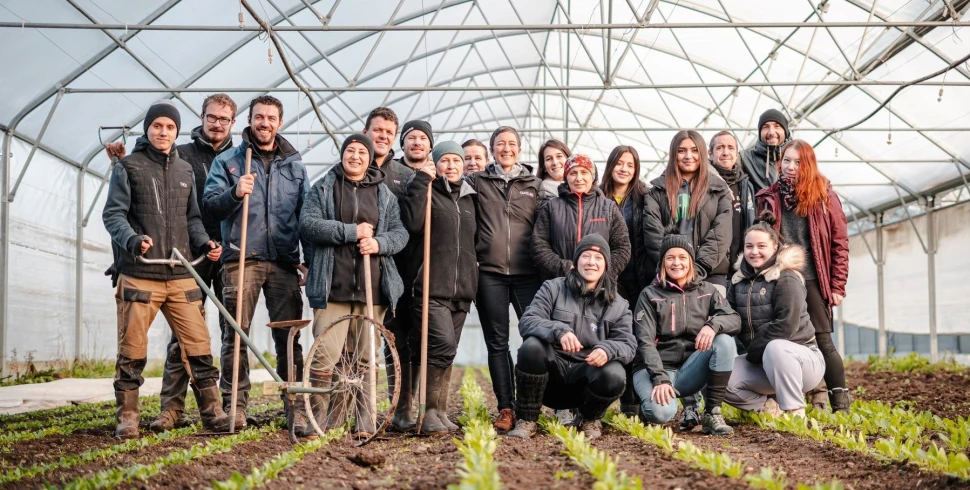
[318,404]
[443,401]
[817,396]
[431,423]
[213,417]
[127,413]
[296,412]
[840,399]
[402,421]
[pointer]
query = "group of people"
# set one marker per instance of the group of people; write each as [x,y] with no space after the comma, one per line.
[623,291]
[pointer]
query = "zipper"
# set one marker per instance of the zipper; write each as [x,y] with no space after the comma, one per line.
[750,326]
[457,246]
[684,296]
[579,223]
[673,317]
[356,209]
[158,202]
[508,229]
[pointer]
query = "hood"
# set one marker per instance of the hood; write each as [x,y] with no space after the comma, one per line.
[199,138]
[283,146]
[465,189]
[143,146]
[373,176]
[493,171]
[788,258]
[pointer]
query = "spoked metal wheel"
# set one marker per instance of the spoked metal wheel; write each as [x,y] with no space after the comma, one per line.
[339,362]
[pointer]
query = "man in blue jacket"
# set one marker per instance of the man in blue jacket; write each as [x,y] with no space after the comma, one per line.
[277,186]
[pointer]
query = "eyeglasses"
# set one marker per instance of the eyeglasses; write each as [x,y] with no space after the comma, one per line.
[223,121]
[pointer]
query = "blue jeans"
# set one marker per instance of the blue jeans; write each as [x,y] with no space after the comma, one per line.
[689,379]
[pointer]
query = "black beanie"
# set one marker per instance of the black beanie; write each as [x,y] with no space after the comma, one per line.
[776,116]
[676,241]
[596,243]
[362,139]
[162,109]
[422,126]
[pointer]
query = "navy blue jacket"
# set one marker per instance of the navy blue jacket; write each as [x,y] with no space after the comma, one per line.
[274,205]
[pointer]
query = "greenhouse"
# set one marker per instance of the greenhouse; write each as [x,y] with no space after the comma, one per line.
[878,89]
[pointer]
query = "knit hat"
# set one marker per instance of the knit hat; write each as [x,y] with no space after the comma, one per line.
[596,243]
[422,126]
[579,160]
[359,138]
[162,108]
[445,148]
[776,116]
[676,241]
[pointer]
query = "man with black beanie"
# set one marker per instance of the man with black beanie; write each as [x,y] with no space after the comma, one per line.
[761,162]
[151,210]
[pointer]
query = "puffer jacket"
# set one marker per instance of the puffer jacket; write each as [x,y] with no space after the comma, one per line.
[274,205]
[667,320]
[557,309]
[640,268]
[562,222]
[506,217]
[200,154]
[712,225]
[152,194]
[771,302]
[454,268]
[830,238]
[322,231]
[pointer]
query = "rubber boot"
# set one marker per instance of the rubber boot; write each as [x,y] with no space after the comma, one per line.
[817,396]
[127,413]
[213,417]
[364,413]
[402,420]
[840,400]
[318,404]
[528,402]
[431,423]
[443,401]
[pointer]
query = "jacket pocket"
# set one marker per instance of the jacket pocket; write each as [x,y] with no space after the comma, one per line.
[136,295]
[564,316]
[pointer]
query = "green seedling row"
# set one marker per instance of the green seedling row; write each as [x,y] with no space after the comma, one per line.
[597,463]
[272,468]
[477,470]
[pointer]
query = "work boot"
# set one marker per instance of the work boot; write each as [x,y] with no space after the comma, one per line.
[443,401]
[566,416]
[298,415]
[213,417]
[243,419]
[524,429]
[690,419]
[817,396]
[127,413]
[402,421]
[166,420]
[771,408]
[505,420]
[319,403]
[840,400]
[365,424]
[431,424]
[714,424]
[337,407]
[592,429]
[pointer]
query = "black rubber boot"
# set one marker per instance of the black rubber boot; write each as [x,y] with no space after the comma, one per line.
[840,399]
[531,388]
[443,401]
[127,412]
[402,420]
[431,424]
[318,404]
[503,383]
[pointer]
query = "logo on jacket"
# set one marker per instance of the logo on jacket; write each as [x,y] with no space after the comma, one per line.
[527,193]
[232,170]
[598,220]
[593,327]
[184,185]
[397,181]
[763,291]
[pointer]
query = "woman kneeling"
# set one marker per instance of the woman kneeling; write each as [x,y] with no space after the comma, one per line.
[578,334]
[684,331]
[782,357]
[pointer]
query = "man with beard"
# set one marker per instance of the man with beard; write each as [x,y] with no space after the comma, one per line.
[277,186]
[381,128]
[416,142]
[761,162]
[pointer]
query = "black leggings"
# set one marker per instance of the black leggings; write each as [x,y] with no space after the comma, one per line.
[821,314]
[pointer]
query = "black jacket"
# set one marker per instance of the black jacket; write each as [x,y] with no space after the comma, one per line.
[152,194]
[712,225]
[668,319]
[563,221]
[557,309]
[740,187]
[761,164]
[771,302]
[396,176]
[454,268]
[506,217]
[643,268]
[200,154]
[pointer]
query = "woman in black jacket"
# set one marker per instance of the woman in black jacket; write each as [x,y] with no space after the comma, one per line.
[577,336]
[580,210]
[453,268]
[684,330]
[768,291]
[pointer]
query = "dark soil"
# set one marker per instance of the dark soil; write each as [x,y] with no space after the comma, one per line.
[944,393]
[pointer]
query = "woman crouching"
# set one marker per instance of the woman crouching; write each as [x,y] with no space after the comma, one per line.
[685,340]
[782,357]
[577,336]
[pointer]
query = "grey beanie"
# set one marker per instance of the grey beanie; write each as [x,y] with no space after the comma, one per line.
[776,116]
[446,147]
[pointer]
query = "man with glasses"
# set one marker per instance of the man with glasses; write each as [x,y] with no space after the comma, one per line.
[209,139]
[277,186]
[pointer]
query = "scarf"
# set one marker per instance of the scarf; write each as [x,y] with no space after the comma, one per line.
[730,175]
[786,186]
